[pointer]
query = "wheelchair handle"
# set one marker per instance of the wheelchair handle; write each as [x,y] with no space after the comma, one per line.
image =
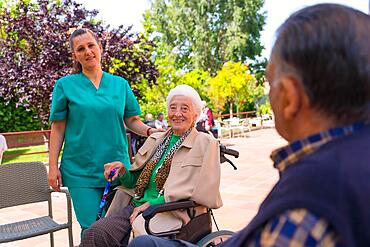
[223,151]
[228,151]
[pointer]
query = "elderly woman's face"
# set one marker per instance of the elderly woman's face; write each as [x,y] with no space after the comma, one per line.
[181,114]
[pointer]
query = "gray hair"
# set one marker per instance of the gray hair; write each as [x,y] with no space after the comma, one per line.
[327,46]
[187,91]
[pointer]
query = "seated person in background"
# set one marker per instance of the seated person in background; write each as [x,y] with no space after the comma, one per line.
[149,120]
[203,118]
[208,112]
[180,163]
[319,76]
[160,122]
[210,123]
[141,139]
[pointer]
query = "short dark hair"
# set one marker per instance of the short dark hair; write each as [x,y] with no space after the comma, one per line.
[77,67]
[327,47]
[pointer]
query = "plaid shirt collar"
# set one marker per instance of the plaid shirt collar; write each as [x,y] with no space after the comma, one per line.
[290,154]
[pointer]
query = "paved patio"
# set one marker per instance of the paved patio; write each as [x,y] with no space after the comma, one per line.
[242,190]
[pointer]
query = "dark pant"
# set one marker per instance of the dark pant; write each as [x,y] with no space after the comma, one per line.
[110,231]
[151,241]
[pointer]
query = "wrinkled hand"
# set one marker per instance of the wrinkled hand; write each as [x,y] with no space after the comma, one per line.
[55,178]
[138,210]
[120,170]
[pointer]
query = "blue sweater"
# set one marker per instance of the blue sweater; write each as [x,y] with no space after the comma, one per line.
[333,182]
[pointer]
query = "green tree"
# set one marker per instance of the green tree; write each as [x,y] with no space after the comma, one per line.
[34,50]
[17,118]
[233,84]
[154,97]
[199,80]
[206,33]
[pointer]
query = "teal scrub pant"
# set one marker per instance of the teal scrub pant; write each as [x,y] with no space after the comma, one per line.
[86,203]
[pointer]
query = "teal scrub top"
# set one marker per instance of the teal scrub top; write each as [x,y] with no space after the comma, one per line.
[95,133]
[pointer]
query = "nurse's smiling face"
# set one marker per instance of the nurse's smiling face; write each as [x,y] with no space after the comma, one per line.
[87,51]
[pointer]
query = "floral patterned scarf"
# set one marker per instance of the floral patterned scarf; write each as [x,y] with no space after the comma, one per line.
[164,170]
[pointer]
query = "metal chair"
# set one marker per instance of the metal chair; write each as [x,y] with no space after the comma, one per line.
[24,183]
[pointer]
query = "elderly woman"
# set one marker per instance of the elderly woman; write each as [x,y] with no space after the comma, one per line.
[180,163]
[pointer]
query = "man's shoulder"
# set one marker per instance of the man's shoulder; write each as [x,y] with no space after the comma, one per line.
[354,146]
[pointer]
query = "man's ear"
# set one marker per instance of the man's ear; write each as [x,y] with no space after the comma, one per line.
[294,96]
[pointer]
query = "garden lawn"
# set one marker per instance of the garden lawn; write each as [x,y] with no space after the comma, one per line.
[21,157]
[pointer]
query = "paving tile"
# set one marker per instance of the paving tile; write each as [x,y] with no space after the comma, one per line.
[242,190]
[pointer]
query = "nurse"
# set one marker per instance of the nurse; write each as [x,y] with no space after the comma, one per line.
[89,111]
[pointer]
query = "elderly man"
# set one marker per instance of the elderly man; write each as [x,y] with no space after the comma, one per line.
[319,73]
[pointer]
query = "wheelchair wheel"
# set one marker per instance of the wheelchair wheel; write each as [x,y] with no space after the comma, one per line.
[215,238]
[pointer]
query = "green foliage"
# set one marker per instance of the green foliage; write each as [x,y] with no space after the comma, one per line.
[258,68]
[194,39]
[199,80]
[233,84]
[154,99]
[206,33]
[15,118]
[35,52]
[18,154]
[264,108]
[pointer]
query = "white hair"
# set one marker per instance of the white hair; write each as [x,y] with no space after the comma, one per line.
[187,91]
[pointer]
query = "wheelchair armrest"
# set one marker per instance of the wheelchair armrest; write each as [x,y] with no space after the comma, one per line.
[170,206]
[150,212]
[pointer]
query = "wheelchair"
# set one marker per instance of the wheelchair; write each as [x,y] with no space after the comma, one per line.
[199,229]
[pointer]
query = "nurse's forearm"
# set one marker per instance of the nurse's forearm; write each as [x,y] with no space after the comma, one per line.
[136,125]
[56,142]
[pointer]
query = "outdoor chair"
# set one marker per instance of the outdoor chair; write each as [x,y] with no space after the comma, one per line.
[25,183]
[234,126]
[222,130]
[245,127]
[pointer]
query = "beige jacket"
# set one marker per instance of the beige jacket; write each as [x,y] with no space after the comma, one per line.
[194,175]
[195,168]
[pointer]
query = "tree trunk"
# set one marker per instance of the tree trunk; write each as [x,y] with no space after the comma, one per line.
[231,109]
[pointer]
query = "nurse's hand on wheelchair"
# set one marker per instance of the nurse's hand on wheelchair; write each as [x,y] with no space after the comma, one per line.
[120,170]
